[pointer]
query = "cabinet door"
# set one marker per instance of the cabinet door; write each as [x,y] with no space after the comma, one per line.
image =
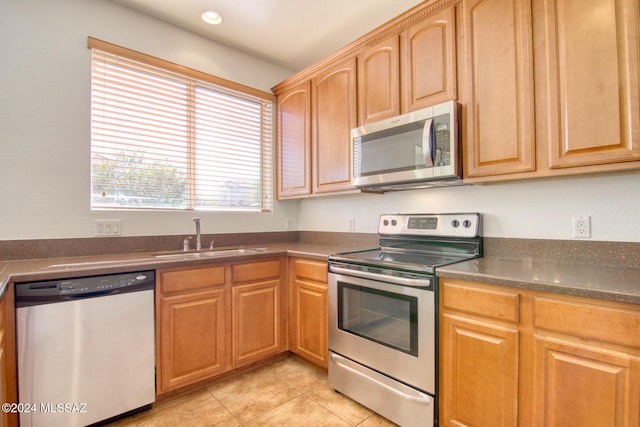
[582,386]
[378,81]
[192,338]
[334,115]
[256,321]
[499,130]
[294,142]
[308,311]
[591,72]
[429,67]
[478,373]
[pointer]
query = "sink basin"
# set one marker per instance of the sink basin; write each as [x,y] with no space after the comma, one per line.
[205,254]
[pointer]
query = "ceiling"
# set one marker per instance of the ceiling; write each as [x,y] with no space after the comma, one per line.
[290,33]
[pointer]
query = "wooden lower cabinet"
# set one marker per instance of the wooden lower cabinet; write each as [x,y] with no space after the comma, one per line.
[482,388]
[210,320]
[512,357]
[308,310]
[193,337]
[191,326]
[8,370]
[478,356]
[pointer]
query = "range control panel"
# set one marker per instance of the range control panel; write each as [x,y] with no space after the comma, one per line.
[453,225]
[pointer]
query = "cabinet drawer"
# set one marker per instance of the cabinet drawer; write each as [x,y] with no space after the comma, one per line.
[191,279]
[310,270]
[494,304]
[253,271]
[608,324]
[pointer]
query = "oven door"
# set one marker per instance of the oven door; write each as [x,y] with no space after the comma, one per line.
[386,326]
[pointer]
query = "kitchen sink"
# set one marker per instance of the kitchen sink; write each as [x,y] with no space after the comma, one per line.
[205,254]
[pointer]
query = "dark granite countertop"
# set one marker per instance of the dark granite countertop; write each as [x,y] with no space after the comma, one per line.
[593,279]
[76,266]
[586,280]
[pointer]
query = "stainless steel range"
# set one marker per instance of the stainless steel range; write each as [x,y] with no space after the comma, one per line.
[383,329]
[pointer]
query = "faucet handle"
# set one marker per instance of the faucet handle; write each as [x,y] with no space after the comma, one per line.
[211,245]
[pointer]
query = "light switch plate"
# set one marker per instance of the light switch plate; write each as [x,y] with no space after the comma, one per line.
[108,227]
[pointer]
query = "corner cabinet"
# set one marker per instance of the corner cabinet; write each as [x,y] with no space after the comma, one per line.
[315,118]
[308,310]
[213,319]
[513,357]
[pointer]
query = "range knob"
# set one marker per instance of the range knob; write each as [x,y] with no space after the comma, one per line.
[455,223]
[394,222]
[466,223]
[385,222]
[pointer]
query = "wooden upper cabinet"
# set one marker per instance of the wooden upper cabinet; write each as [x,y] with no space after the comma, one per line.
[429,61]
[591,76]
[294,141]
[426,54]
[499,129]
[378,81]
[334,115]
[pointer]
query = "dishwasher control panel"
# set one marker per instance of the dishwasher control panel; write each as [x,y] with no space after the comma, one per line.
[42,292]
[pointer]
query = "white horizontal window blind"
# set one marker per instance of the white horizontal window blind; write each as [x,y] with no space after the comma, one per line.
[165,140]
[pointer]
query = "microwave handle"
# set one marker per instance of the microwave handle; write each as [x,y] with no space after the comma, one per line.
[427,142]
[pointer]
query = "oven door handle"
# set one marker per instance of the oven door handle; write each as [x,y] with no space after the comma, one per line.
[414,283]
[424,400]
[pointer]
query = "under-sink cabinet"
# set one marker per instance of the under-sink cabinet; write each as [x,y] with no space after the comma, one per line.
[515,357]
[308,310]
[212,319]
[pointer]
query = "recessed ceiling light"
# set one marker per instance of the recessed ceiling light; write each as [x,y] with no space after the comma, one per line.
[211,17]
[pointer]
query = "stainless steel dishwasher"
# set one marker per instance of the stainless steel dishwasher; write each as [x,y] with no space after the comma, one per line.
[86,348]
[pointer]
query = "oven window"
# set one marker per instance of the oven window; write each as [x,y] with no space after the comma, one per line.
[387,318]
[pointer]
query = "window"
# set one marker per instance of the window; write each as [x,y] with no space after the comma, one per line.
[167,137]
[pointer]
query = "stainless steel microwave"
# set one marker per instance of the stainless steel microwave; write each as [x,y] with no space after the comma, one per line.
[415,150]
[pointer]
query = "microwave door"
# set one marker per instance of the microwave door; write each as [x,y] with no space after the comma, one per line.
[427,144]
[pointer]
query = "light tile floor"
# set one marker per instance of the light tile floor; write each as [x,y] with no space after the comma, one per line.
[287,392]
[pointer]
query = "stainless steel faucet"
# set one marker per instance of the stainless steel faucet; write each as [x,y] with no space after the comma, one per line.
[198,240]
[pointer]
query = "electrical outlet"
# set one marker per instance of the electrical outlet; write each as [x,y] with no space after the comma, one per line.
[582,227]
[352,224]
[288,224]
[107,227]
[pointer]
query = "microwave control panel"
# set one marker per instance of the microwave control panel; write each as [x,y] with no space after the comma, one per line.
[441,130]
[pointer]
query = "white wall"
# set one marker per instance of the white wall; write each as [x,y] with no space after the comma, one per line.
[541,209]
[44,144]
[44,116]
